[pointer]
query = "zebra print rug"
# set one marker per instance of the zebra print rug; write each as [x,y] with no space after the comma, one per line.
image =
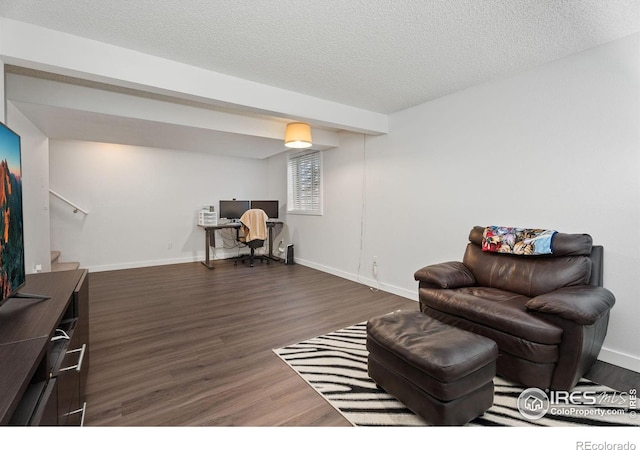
[335,365]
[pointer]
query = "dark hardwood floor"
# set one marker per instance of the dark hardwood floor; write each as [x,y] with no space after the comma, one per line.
[181,345]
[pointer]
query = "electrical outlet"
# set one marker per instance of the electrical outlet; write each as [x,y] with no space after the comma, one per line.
[169,245]
[374,266]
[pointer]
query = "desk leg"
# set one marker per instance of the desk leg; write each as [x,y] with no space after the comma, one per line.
[209,239]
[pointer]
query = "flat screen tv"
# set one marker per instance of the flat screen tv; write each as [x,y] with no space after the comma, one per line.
[12,268]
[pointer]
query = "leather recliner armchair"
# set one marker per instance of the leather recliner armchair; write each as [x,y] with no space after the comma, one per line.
[548,314]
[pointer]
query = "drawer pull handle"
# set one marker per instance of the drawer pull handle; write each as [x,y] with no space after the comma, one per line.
[77,367]
[82,410]
[63,335]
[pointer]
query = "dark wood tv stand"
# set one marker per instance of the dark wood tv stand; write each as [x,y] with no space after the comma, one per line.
[44,351]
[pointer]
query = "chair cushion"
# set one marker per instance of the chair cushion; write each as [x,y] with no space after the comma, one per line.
[494,308]
[526,275]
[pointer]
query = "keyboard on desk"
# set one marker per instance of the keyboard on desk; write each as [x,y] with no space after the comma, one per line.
[237,224]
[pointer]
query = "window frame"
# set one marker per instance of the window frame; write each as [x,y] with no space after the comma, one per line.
[294,207]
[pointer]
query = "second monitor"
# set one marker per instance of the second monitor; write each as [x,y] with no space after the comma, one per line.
[268,206]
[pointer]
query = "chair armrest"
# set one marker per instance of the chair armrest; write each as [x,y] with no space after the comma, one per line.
[447,275]
[580,304]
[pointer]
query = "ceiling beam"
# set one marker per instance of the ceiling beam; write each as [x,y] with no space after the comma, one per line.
[68,97]
[64,54]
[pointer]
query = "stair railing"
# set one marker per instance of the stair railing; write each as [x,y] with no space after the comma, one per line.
[75,207]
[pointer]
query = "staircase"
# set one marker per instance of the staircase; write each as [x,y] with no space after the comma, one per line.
[57,265]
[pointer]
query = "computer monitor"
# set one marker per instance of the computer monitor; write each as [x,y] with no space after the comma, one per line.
[268,206]
[233,209]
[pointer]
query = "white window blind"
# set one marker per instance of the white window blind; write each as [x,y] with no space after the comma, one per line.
[305,183]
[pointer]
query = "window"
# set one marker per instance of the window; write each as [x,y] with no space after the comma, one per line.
[305,183]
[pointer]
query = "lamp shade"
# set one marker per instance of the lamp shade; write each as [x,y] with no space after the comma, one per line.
[298,135]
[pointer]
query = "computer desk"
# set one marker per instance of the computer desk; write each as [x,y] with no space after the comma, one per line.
[210,238]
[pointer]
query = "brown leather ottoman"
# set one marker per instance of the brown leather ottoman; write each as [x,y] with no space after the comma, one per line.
[440,372]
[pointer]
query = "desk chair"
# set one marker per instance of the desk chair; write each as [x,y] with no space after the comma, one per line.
[254,233]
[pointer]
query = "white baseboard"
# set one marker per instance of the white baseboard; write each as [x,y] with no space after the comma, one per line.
[620,359]
[138,264]
[402,292]
[219,254]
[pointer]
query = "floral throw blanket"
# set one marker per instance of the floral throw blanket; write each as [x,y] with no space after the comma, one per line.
[517,241]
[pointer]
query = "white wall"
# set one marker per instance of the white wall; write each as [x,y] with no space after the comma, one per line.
[332,242]
[141,201]
[3,103]
[35,190]
[277,190]
[554,147]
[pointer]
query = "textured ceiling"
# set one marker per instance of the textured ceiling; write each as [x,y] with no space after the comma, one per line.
[380,55]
